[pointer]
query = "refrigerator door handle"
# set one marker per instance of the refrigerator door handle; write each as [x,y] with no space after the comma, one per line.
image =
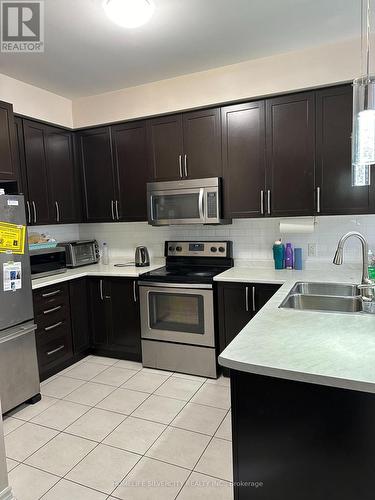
[19,333]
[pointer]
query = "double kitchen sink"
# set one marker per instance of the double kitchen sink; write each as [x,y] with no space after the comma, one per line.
[329,297]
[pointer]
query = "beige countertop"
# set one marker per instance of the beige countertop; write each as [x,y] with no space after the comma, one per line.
[333,349]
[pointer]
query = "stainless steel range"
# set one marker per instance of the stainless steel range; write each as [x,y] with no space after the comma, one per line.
[177,307]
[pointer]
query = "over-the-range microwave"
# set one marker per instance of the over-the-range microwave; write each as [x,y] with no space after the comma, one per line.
[193,201]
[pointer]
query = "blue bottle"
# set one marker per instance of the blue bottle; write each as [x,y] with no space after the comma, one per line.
[288,256]
[278,254]
[298,259]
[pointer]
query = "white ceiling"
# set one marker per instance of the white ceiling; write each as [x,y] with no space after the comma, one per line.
[86,54]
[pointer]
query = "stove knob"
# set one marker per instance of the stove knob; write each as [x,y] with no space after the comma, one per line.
[221,249]
[179,249]
[213,249]
[171,249]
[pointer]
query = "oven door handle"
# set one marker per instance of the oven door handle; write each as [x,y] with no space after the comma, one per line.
[201,286]
[200,204]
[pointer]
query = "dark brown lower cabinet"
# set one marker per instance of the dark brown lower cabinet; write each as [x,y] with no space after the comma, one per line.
[237,303]
[79,311]
[114,317]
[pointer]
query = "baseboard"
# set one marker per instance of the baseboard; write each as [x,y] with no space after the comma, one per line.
[7,494]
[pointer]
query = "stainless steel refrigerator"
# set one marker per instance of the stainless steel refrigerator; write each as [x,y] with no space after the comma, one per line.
[19,376]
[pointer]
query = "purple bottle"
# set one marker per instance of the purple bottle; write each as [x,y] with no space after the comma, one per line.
[288,256]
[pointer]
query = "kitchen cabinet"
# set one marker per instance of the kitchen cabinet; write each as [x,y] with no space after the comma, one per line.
[97,165]
[185,146]
[114,314]
[335,193]
[129,142]
[290,155]
[8,144]
[243,143]
[79,313]
[237,303]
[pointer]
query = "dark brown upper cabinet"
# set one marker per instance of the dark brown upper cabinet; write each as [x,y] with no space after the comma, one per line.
[131,169]
[97,165]
[202,144]
[335,193]
[8,144]
[243,142]
[49,179]
[185,146]
[290,155]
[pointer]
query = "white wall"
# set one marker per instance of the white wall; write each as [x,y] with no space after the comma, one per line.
[35,102]
[280,73]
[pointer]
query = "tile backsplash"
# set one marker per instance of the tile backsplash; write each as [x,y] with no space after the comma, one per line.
[252,238]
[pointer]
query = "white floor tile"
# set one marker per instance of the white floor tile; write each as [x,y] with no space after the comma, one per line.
[29,483]
[61,387]
[157,371]
[29,411]
[189,377]
[85,371]
[179,388]
[123,401]
[159,409]
[96,424]
[152,480]
[135,434]
[130,365]
[25,440]
[60,415]
[225,381]
[199,418]
[213,395]
[66,490]
[104,468]
[114,376]
[10,424]
[225,429]
[101,360]
[216,461]
[11,464]
[61,454]
[89,394]
[145,381]
[179,447]
[202,487]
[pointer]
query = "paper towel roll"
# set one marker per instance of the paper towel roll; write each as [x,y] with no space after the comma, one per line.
[297,226]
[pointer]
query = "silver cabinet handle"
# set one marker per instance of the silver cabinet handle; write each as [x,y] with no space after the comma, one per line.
[247,298]
[134,291]
[117,213]
[28,212]
[180,165]
[253,292]
[101,289]
[49,353]
[52,327]
[268,202]
[54,309]
[185,165]
[57,212]
[112,210]
[262,202]
[50,294]
[318,199]
[35,213]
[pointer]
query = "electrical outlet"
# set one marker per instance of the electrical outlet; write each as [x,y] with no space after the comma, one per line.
[311,249]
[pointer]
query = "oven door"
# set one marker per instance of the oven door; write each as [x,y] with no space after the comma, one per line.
[180,206]
[177,313]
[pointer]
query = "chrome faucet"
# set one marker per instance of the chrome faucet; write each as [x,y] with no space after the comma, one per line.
[367,286]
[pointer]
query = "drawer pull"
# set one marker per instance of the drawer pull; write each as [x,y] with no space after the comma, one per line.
[48,311]
[49,353]
[50,294]
[52,327]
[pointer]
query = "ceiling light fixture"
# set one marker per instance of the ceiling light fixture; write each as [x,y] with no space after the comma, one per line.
[129,13]
[363,133]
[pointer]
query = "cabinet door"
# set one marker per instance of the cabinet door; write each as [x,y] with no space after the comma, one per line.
[36,172]
[235,310]
[22,183]
[63,179]
[263,293]
[290,151]
[79,313]
[334,167]
[8,145]
[97,165]
[165,147]
[98,311]
[243,129]
[132,170]
[202,144]
[125,329]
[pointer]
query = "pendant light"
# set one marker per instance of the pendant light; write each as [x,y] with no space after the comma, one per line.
[363,134]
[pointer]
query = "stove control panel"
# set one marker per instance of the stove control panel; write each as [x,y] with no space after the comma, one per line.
[198,249]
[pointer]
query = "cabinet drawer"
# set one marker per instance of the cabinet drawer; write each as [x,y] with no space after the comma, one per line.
[60,327]
[56,349]
[52,315]
[49,297]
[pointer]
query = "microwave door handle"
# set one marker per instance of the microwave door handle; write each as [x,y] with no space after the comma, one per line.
[200,204]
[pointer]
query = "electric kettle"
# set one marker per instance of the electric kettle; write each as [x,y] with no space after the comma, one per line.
[142,258]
